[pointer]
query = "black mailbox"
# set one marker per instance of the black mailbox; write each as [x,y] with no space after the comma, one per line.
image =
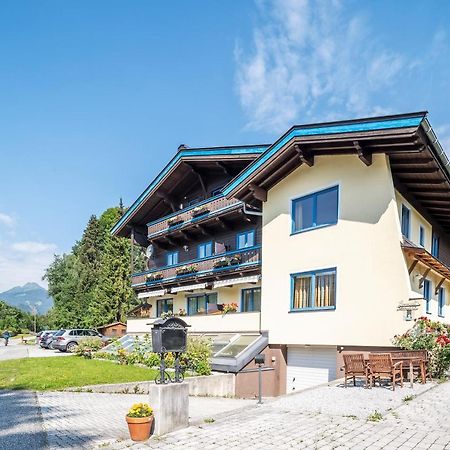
[169,335]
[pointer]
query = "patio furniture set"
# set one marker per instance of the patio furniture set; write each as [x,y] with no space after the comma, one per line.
[391,366]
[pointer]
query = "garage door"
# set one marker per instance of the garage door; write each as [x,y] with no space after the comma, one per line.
[309,366]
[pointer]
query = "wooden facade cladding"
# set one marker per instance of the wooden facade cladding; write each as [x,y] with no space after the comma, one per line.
[193,215]
[229,264]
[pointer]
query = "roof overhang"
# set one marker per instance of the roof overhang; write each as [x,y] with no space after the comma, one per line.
[184,155]
[364,137]
[419,254]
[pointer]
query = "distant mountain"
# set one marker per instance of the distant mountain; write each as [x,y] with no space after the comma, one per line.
[29,294]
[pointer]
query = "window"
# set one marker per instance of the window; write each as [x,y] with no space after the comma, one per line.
[435,246]
[204,250]
[406,213]
[427,295]
[198,304]
[441,302]
[164,305]
[315,210]
[172,258]
[314,290]
[245,239]
[422,236]
[251,300]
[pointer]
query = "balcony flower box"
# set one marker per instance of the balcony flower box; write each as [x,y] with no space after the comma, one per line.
[184,270]
[173,221]
[229,308]
[236,259]
[154,276]
[199,211]
[222,262]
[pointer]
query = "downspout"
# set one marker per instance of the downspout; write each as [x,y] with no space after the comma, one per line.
[251,212]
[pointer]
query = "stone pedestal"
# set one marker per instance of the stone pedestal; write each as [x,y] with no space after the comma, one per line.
[170,403]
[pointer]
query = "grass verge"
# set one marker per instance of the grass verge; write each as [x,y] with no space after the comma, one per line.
[45,374]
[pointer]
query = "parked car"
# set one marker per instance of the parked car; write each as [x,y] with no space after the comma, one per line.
[69,339]
[47,338]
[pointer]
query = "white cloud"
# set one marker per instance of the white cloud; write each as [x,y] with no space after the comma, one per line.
[33,247]
[6,219]
[309,62]
[23,262]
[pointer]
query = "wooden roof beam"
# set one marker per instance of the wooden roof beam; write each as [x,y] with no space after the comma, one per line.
[363,154]
[438,286]
[414,170]
[199,176]
[258,192]
[409,161]
[424,276]
[306,157]
[224,168]
[168,199]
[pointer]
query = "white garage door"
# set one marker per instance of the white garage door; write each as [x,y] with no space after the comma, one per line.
[309,366]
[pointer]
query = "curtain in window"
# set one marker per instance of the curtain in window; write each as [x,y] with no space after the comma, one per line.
[325,290]
[302,293]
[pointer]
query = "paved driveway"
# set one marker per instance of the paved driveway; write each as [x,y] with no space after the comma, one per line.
[324,418]
[16,350]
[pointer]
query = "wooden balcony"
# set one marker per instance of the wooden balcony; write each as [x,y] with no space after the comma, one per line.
[193,215]
[212,267]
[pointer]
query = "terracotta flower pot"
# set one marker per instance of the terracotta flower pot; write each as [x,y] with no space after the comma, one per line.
[139,427]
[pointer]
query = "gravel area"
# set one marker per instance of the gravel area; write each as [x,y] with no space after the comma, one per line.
[351,401]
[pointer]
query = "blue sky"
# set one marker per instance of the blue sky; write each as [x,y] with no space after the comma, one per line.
[96,95]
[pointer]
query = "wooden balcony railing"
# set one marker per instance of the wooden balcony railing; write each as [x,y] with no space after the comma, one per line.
[228,262]
[192,214]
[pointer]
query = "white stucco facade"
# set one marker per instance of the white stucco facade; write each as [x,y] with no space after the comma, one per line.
[364,247]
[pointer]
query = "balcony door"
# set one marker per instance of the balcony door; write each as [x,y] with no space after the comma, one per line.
[198,304]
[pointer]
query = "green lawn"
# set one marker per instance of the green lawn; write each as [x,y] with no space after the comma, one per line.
[55,373]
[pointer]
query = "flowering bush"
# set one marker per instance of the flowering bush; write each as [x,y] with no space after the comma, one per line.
[140,410]
[432,336]
[191,268]
[88,345]
[229,307]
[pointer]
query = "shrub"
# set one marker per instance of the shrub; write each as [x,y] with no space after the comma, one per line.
[432,336]
[197,357]
[88,345]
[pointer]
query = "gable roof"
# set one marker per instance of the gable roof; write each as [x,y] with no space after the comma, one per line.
[316,132]
[186,154]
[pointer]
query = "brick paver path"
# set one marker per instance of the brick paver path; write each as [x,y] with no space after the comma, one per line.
[422,423]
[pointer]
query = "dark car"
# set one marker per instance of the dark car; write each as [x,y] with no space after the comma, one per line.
[67,340]
[47,338]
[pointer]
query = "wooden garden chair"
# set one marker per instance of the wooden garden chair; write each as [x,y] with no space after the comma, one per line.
[381,366]
[355,366]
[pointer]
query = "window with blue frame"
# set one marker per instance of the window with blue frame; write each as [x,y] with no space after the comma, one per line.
[204,250]
[172,258]
[314,290]
[315,210]
[435,246]
[427,295]
[245,239]
[441,302]
[406,217]
[251,300]
[200,304]
[164,305]
[422,236]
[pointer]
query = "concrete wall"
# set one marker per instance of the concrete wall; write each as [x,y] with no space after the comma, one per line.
[215,385]
[364,246]
[273,382]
